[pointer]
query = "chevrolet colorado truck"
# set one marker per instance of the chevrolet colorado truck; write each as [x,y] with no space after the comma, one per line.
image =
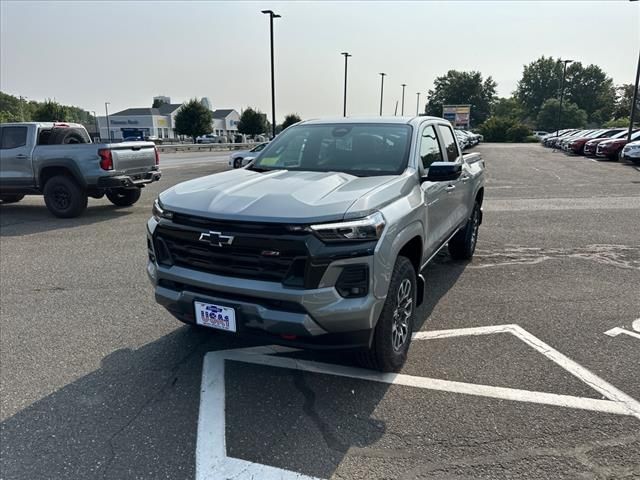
[320,241]
[59,161]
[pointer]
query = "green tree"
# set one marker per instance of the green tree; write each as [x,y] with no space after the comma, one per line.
[463,88]
[51,111]
[290,119]
[518,132]
[624,98]
[252,122]
[507,108]
[540,81]
[588,87]
[592,91]
[572,116]
[193,119]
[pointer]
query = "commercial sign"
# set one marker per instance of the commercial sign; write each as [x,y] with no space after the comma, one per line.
[458,115]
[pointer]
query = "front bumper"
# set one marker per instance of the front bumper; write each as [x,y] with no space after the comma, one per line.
[129,181]
[316,317]
[633,155]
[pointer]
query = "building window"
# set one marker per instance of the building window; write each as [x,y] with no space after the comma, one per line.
[166,133]
[159,133]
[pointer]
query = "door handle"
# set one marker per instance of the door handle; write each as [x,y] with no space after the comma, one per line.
[21,156]
[464,178]
[450,188]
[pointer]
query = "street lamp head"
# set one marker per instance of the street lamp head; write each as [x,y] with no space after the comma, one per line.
[382,73]
[271,13]
[346,54]
[403,84]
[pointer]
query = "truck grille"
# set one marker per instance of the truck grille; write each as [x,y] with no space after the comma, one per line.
[254,256]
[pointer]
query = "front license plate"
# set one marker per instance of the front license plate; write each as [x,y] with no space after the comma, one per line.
[216,316]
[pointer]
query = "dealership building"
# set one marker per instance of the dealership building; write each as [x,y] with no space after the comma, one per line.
[160,123]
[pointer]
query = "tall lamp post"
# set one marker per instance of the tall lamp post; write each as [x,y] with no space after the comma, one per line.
[272,15]
[633,101]
[382,75]
[344,106]
[106,109]
[418,104]
[564,74]
[95,120]
[402,107]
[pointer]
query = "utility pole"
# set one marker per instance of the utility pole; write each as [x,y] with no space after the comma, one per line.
[272,15]
[106,109]
[418,104]
[402,108]
[344,106]
[564,74]
[95,119]
[633,101]
[382,75]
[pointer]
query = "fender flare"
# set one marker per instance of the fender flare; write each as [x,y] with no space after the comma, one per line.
[65,163]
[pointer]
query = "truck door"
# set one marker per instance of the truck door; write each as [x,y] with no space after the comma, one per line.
[435,195]
[15,156]
[457,190]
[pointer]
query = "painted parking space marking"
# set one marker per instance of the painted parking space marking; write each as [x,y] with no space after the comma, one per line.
[614,332]
[212,461]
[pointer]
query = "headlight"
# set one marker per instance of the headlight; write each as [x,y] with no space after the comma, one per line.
[159,212]
[364,229]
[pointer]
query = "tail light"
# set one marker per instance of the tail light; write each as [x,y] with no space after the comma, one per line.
[106,160]
[157,155]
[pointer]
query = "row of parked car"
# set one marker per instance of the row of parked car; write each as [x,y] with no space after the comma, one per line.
[468,139]
[605,143]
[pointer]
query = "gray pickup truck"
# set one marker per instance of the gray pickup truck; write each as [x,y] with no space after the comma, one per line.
[320,241]
[59,161]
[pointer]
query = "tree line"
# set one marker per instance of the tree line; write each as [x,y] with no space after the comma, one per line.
[16,109]
[590,99]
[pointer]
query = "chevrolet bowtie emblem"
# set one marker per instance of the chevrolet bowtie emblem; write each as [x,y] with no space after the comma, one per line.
[216,239]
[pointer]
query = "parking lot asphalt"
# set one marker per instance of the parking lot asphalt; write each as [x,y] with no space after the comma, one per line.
[100,382]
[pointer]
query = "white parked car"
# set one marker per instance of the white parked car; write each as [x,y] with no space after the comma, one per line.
[209,138]
[631,151]
[242,157]
[540,133]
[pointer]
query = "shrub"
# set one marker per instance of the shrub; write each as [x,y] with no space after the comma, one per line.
[518,132]
[502,129]
[531,139]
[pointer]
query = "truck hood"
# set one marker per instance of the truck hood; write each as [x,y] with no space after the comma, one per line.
[276,196]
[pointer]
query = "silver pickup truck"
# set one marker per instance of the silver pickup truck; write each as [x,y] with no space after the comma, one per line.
[320,241]
[59,161]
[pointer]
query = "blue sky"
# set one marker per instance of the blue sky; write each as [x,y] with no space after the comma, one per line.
[87,52]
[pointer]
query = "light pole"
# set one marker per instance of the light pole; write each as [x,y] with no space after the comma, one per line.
[344,106]
[418,104]
[106,109]
[95,120]
[402,107]
[272,15]
[22,102]
[564,74]
[633,101]
[382,75]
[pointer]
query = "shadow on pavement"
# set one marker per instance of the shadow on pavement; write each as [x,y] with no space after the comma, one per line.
[21,219]
[136,416]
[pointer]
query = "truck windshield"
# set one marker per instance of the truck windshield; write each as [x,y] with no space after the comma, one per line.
[355,148]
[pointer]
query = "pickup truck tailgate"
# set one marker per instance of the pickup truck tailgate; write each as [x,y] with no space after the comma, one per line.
[133,157]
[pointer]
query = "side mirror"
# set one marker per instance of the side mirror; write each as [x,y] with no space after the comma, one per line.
[443,171]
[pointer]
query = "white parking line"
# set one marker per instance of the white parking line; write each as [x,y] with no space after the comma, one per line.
[212,462]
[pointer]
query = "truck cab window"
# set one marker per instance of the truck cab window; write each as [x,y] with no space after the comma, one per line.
[450,144]
[429,147]
[13,137]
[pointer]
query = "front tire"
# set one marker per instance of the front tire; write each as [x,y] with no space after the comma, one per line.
[11,198]
[237,163]
[124,197]
[64,197]
[392,335]
[463,243]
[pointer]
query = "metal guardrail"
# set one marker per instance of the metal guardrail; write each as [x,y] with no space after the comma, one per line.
[205,147]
